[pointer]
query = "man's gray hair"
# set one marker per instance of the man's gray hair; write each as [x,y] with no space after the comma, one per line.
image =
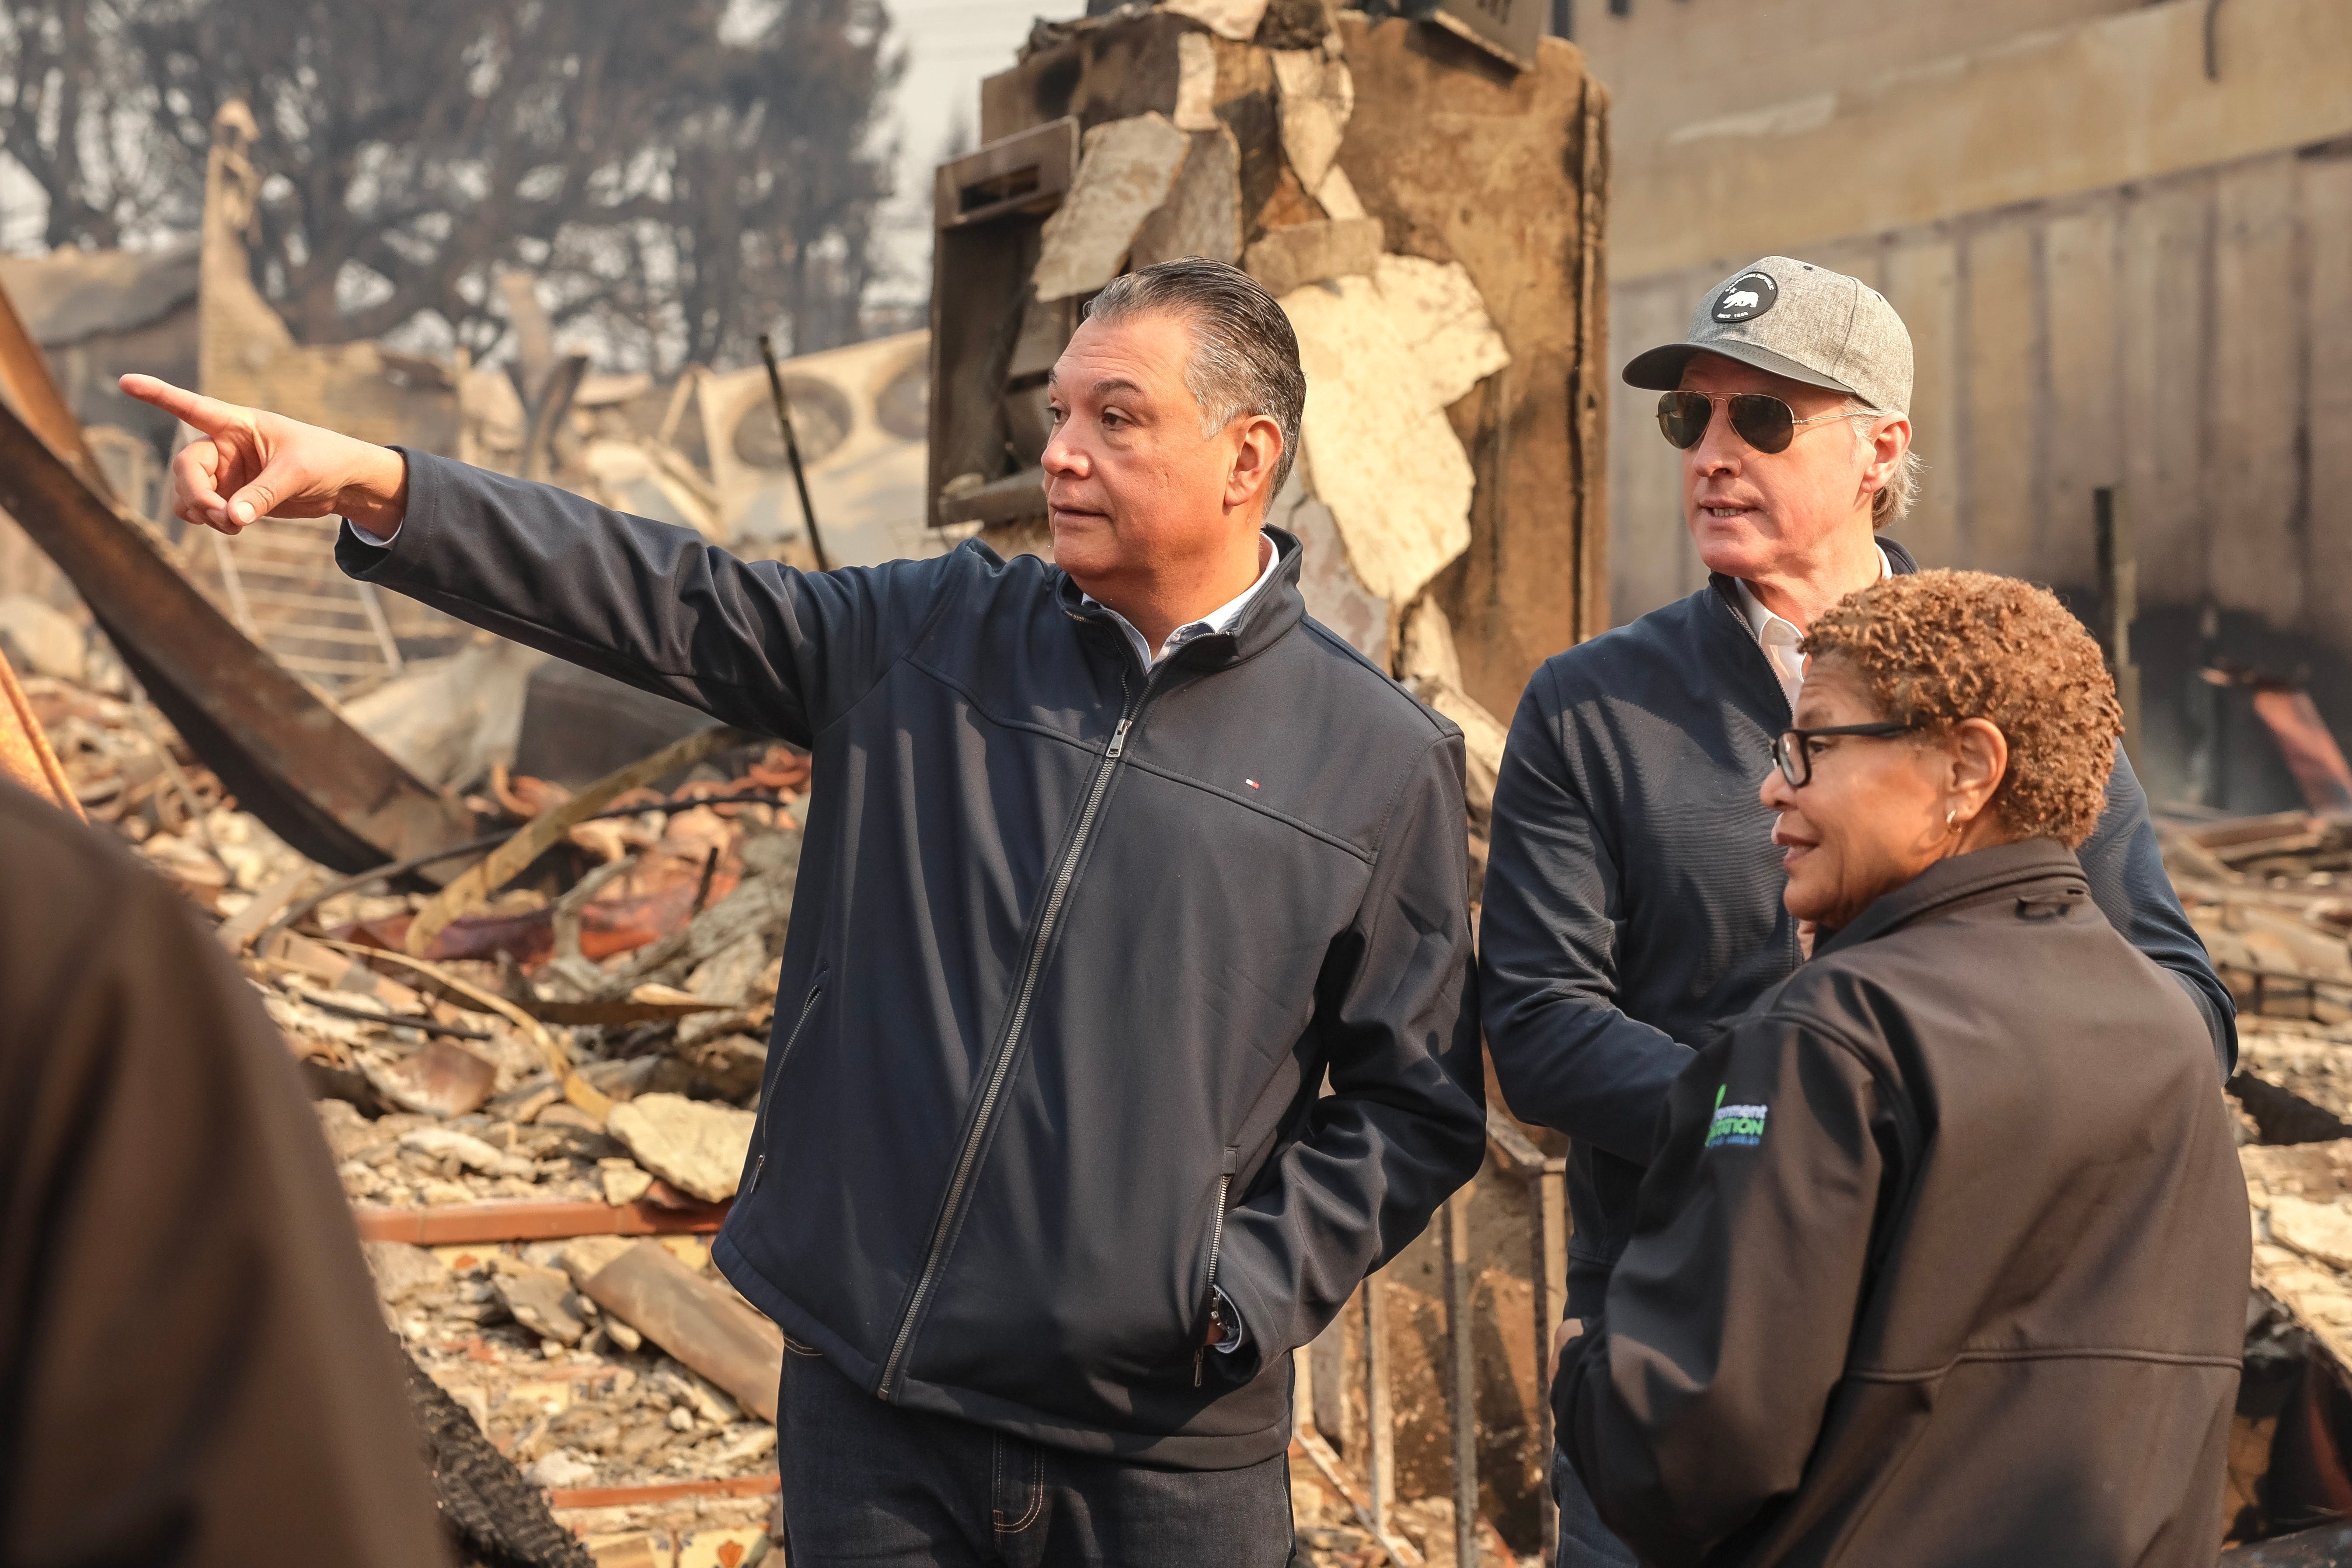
[1244,356]
[1903,486]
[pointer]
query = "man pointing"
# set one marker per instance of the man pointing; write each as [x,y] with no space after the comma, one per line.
[1108,864]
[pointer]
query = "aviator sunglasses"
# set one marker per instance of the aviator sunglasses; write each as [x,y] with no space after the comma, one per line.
[1764,423]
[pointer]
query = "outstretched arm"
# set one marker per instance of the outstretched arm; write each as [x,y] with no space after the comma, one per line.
[752,643]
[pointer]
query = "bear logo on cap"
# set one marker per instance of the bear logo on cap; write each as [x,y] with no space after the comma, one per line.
[1746,297]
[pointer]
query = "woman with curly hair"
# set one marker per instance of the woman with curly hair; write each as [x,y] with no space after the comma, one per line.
[1942,1255]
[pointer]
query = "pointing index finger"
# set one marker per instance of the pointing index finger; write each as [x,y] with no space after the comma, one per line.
[209,414]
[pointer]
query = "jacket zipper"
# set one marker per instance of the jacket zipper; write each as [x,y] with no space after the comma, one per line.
[998,1070]
[1217,1240]
[760,1164]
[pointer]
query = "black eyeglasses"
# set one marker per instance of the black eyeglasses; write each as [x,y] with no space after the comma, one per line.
[1792,750]
[1764,423]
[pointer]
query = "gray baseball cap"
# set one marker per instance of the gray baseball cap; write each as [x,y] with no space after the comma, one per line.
[1800,320]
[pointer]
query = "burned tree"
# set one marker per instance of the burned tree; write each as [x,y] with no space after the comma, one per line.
[680,177]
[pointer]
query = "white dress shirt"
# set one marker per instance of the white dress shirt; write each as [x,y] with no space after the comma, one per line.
[1215,621]
[1778,638]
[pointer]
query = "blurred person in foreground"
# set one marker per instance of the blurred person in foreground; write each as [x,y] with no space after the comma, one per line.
[1633,898]
[194,1369]
[1108,864]
[1942,1255]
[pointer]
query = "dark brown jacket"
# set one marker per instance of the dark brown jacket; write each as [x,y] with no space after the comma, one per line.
[1942,1259]
[193,1370]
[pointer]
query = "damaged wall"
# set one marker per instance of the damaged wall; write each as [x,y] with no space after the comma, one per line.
[1430,218]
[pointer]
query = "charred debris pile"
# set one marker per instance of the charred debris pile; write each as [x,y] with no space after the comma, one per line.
[538,1111]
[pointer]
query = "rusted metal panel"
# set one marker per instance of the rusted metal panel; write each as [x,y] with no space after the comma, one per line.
[2311,753]
[288,758]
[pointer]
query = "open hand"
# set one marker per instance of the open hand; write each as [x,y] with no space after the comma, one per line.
[249,464]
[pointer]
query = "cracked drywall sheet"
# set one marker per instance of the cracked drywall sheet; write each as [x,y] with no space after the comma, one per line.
[1126,170]
[1439,312]
[1385,354]
[1382,456]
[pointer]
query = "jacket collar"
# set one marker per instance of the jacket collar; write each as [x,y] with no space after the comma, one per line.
[2037,867]
[1728,620]
[1266,618]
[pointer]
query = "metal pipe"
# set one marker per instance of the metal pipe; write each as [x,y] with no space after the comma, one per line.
[385,642]
[1547,1206]
[1462,1403]
[792,447]
[1380,1409]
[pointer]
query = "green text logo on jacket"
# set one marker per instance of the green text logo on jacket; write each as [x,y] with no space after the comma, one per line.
[1738,1124]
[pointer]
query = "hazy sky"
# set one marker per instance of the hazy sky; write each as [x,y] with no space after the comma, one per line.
[950,45]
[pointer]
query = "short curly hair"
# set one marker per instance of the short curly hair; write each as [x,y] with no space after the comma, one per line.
[1944,647]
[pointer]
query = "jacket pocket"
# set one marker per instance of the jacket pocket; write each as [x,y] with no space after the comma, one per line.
[1231,1164]
[776,1079]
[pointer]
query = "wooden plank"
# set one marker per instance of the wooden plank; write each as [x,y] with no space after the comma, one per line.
[2325,201]
[1921,276]
[2163,302]
[28,388]
[458,1224]
[702,1324]
[1998,366]
[663,1492]
[2254,558]
[2082,416]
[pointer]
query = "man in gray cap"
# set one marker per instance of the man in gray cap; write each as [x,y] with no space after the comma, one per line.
[1633,898]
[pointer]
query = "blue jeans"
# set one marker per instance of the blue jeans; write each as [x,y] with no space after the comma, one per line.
[868,1483]
[1584,1540]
